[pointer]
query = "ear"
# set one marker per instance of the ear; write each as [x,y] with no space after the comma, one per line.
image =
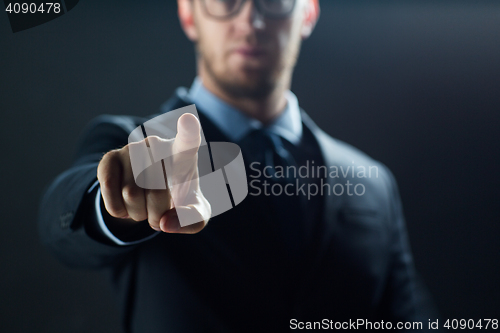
[186,18]
[311,16]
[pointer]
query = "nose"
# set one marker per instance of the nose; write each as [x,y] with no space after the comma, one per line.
[250,18]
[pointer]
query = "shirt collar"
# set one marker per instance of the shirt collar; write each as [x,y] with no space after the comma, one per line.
[236,125]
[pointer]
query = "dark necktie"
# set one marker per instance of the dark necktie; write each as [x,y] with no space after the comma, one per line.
[267,148]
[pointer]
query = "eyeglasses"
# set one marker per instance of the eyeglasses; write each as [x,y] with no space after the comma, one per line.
[225,9]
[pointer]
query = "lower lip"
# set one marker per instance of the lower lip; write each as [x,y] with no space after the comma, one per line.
[250,53]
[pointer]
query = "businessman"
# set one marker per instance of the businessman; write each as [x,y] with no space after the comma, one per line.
[320,239]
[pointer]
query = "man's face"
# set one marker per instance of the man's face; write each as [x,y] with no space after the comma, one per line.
[248,55]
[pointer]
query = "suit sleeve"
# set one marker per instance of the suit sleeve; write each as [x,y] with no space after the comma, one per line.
[67,219]
[406,298]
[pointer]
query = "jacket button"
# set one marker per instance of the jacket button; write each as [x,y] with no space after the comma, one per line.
[66,219]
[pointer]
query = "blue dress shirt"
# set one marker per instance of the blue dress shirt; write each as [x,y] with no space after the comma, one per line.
[236,125]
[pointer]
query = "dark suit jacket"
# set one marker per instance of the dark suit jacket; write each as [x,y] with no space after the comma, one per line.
[231,276]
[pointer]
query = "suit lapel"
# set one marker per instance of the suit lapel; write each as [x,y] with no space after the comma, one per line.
[328,148]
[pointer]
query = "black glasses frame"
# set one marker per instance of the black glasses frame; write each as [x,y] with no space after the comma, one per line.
[258,5]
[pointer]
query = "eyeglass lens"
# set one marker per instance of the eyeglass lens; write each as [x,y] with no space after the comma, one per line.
[227,8]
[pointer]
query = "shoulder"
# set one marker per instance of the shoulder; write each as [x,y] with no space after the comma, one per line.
[127,123]
[372,184]
[341,154]
[106,132]
[119,122]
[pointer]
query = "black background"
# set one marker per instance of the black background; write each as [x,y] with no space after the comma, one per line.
[414,84]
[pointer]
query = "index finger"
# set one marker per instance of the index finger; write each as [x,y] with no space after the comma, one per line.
[188,136]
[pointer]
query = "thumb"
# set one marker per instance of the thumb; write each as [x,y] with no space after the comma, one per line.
[188,134]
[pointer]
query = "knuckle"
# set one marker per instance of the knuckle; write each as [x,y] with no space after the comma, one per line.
[108,182]
[151,139]
[107,165]
[131,144]
[158,206]
[155,140]
[121,154]
[139,216]
[152,221]
[106,157]
[109,156]
[131,193]
[154,226]
[159,198]
[116,210]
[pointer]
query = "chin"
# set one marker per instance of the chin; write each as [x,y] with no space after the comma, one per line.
[251,89]
[248,79]
[252,76]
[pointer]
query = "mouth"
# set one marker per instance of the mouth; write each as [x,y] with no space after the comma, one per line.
[250,51]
